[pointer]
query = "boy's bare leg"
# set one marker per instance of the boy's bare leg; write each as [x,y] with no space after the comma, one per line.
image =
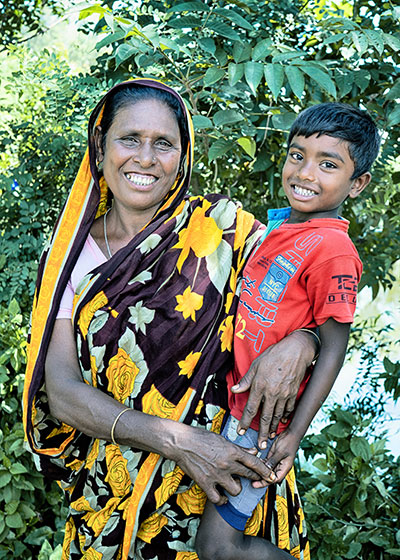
[217,540]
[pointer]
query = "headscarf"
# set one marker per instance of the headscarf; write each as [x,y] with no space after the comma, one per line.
[154,329]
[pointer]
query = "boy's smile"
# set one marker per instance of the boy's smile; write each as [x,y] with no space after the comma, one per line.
[316,177]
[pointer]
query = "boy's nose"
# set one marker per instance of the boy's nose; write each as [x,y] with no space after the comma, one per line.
[306,171]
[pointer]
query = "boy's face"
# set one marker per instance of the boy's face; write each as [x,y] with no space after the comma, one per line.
[316,177]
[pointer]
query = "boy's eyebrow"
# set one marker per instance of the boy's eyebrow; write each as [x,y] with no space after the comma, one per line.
[331,155]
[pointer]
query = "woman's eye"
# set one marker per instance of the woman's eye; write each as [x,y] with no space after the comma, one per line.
[163,144]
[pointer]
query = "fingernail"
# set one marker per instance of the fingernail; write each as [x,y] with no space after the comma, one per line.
[241,432]
[272,476]
[263,444]
[234,387]
[272,435]
[284,420]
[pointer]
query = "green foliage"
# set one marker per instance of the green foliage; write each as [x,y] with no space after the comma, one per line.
[18,17]
[352,492]
[27,501]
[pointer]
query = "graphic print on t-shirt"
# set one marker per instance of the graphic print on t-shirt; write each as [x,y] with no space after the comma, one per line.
[262,308]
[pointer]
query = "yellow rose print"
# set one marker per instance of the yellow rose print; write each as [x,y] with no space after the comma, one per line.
[92,456]
[184,555]
[226,329]
[189,363]
[283,522]
[121,374]
[151,527]
[86,315]
[188,303]
[97,520]
[155,404]
[217,421]
[202,236]
[92,554]
[70,532]
[118,476]
[253,524]
[192,501]
[168,486]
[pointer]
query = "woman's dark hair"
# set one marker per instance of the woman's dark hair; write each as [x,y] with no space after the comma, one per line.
[345,122]
[130,94]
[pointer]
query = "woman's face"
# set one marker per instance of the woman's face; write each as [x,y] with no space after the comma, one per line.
[141,155]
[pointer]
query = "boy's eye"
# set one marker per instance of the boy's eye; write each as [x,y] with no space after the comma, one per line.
[328,165]
[296,155]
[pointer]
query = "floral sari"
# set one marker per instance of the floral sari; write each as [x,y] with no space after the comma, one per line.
[154,329]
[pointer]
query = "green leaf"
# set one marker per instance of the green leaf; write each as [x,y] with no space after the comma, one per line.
[213,75]
[200,121]
[248,144]
[241,51]
[191,22]
[235,18]
[124,52]
[224,30]
[344,82]
[354,550]
[360,41]
[362,78]
[283,57]
[375,39]
[360,447]
[18,468]
[109,20]
[296,80]
[334,38]
[5,478]
[274,76]
[392,41]
[321,78]
[207,44]
[96,9]
[218,149]
[235,73]
[253,72]
[112,38]
[190,7]
[227,116]
[262,49]
[320,464]
[394,117]
[14,521]
[393,551]
[283,120]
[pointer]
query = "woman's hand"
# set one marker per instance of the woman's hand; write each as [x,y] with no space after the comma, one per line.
[273,380]
[210,460]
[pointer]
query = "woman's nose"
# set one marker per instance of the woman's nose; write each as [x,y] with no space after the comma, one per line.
[144,155]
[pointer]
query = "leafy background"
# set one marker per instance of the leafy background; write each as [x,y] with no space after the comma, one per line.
[245,69]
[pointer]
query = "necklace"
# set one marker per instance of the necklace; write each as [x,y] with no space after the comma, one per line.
[105,233]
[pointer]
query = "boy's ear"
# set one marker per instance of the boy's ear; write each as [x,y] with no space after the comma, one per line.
[359,184]
[98,141]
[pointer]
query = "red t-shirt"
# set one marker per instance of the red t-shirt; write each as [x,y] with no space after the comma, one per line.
[300,276]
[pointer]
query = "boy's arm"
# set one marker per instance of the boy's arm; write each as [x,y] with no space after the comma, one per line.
[334,338]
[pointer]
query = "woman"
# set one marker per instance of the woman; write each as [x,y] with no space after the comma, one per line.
[135,384]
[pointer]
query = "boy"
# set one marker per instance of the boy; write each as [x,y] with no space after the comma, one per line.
[303,274]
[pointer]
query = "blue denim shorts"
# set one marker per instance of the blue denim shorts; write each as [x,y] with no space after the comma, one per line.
[240,508]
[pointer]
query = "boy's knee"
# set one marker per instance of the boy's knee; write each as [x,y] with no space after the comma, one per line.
[209,547]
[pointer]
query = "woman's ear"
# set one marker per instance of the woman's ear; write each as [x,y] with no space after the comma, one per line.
[359,184]
[98,141]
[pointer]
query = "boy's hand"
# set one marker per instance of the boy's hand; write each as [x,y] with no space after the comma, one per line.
[273,382]
[280,458]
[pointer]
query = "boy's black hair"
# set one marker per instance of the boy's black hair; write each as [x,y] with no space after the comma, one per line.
[345,122]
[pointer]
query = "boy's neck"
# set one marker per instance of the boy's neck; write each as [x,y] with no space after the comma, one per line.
[297,217]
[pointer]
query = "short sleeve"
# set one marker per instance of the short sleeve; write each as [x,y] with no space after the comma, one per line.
[332,288]
[66,304]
